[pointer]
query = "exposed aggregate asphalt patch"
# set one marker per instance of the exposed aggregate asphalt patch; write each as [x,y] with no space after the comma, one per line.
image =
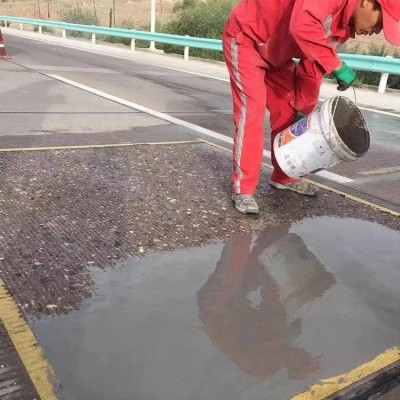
[62,211]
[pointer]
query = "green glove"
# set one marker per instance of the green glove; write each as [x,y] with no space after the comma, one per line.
[345,77]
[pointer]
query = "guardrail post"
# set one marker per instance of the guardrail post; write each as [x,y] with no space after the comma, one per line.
[40,29]
[383,81]
[93,37]
[186,52]
[133,44]
[64,32]
[152,22]
[21,27]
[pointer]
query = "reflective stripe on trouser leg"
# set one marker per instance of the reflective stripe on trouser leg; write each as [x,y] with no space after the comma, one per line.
[247,72]
[242,122]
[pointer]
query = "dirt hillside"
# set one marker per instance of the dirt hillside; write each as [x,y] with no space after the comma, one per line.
[136,12]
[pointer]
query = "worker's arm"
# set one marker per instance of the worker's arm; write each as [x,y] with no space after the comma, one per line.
[308,82]
[307,27]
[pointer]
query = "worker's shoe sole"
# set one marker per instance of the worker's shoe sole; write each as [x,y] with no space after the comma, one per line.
[301,187]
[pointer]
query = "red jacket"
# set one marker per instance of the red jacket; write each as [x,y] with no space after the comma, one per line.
[305,29]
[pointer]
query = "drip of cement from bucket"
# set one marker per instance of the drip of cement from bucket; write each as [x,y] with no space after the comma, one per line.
[355,96]
[335,132]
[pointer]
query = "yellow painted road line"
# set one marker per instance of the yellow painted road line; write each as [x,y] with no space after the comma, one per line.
[329,189]
[327,388]
[99,146]
[357,199]
[33,358]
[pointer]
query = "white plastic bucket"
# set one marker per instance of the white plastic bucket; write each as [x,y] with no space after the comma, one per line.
[335,132]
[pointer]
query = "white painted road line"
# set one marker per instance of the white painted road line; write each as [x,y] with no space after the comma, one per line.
[325,174]
[381,171]
[334,177]
[390,114]
[146,110]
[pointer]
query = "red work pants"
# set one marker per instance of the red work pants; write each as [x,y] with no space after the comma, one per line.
[256,85]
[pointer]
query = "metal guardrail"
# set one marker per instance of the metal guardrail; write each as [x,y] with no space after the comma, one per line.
[179,40]
[383,65]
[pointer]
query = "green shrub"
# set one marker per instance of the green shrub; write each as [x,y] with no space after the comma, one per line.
[115,39]
[185,4]
[146,28]
[199,19]
[79,16]
[44,29]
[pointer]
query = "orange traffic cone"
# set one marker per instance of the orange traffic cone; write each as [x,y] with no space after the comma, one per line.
[2,47]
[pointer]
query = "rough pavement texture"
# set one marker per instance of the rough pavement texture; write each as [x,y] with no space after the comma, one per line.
[63,211]
[393,394]
[383,386]
[14,380]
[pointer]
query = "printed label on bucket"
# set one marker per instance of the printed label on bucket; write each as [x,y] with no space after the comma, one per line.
[294,131]
[302,156]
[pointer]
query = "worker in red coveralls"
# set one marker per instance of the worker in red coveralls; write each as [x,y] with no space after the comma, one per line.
[260,40]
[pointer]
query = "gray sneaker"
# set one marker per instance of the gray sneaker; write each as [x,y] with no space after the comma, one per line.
[245,203]
[301,187]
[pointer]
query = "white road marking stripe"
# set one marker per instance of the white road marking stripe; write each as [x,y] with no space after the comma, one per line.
[334,177]
[55,68]
[325,174]
[379,112]
[197,74]
[146,110]
[370,109]
[381,171]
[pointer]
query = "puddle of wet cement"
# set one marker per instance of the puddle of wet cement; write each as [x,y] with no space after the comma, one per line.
[260,317]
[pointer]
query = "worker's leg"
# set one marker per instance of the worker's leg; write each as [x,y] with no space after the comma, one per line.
[280,93]
[247,70]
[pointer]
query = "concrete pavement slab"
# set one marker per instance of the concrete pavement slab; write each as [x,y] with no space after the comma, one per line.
[365,97]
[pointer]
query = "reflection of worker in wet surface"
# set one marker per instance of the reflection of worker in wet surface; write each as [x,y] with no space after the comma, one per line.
[249,303]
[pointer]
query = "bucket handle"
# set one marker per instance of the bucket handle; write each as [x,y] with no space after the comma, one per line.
[337,101]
